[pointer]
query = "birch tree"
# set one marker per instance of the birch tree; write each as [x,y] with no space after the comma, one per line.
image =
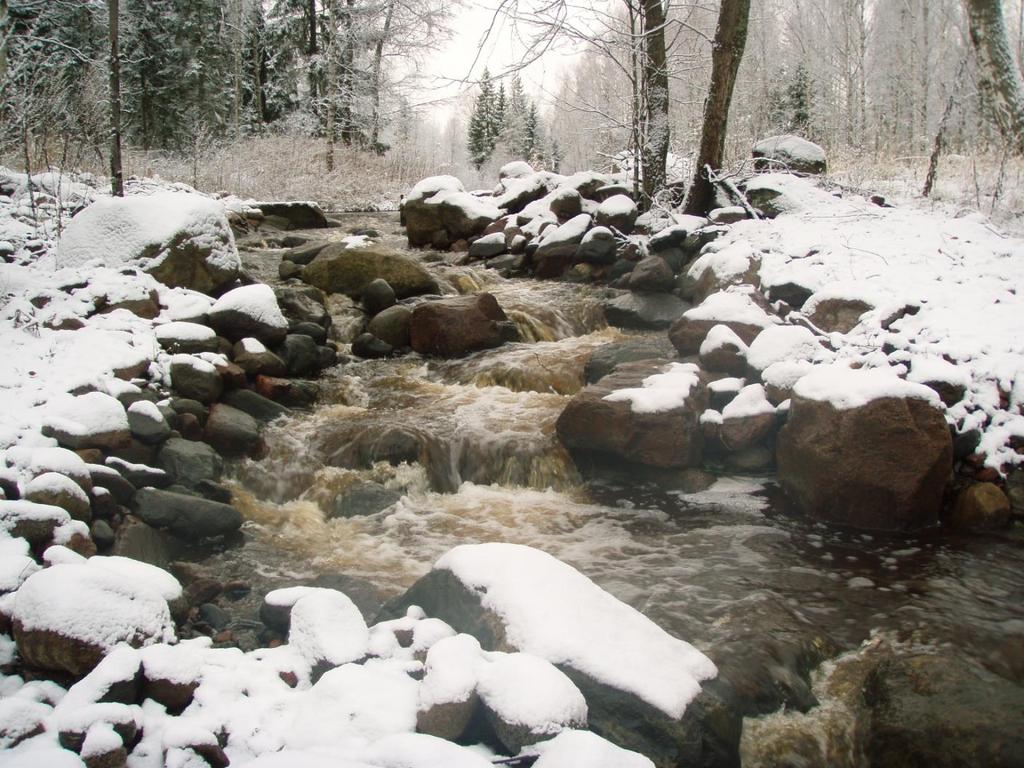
[999,77]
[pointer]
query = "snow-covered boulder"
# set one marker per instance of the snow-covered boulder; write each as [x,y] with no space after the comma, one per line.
[788,152]
[583,749]
[517,169]
[147,422]
[723,351]
[652,274]
[351,270]
[36,523]
[438,211]
[67,617]
[188,338]
[557,246]
[644,412]
[784,343]
[92,420]
[456,326]
[838,309]
[327,629]
[866,449]
[738,308]
[640,683]
[196,378]
[181,239]
[747,419]
[60,491]
[717,268]
[617,212]
[251,310]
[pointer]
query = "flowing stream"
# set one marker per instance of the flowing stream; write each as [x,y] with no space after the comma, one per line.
[468,447]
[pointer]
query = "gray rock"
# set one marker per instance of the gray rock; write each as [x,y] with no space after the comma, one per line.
[255,361]
[294,215]
[363,499]
[368,346]
[255,405]
[189,461]
[642,311]
[186,516]
[233,432]
[377,296]
[606,359]
[147,426]
[303,304]
[652,275]
[598,246]
[488,246]
[392,325]
[300,355]
[316,332]
[196,383]
[303,254]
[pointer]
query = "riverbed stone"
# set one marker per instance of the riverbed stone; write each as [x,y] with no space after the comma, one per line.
[363,499]
[251,310]
[305,253]
[608,357]
[233,433]
[392,326]
[980,505]
[54,489]
[655,311]
[196,379]
[300,355]
[651,275]
[189,517]
[254,404]
[252,356]
[189,461]
[882,466]
[598,246]
[303,304]
[294,214]
[338,269]
[592,424]
[377,296]
[456,326]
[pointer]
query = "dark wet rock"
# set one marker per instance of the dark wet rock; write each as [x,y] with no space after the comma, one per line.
[214,615]
[287,270]
[188,461]
[363,499]
[102,534]
[294,215]
[792,293]
[670,438]
[392,326]
[566,203]
[142,542]
[456,326]
[190,406]
[232,432]
[351,270]
[293,393]
[644,311]
[305,253]
[377,296]
[652,275]
[212,491]
[316,332]
[617,212]
[980,505]
[831,465]
[195,379]
[300,355]
[254,404]
[598,246]
[941,710]
[148,424]
[186,516]
[254,358]
[607,358]
[303,304]
[368,346]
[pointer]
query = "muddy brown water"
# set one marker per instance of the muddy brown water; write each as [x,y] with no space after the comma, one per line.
[720,566]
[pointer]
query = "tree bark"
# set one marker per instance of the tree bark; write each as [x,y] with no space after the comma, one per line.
[1000,83]
[116,170]
[726,53]
[378,57]
[4,22]
[655,87]
[345,91]
[330,85]
[940,134]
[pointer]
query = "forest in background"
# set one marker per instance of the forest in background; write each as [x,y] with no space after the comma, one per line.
[258,97]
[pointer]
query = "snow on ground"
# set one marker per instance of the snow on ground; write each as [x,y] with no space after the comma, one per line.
[962,280]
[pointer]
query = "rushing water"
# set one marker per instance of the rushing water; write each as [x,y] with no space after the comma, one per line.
[713,564]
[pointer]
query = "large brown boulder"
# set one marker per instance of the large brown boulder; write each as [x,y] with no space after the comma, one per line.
[459,325]
[338,269]
[865,449]
[623,415]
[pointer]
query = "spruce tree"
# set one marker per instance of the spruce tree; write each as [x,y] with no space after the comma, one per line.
[482,133]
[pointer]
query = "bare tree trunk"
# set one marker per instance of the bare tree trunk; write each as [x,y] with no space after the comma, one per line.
[726,53]
[940,134]
[239,43]
[655,80]
[999,81]
[345,91]
[330,88]
[4,21]
[311,52]
[378,56]
[116,170]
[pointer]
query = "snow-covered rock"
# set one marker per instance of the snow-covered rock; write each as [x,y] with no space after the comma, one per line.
[723,351]
[92,420]
[250,310]
[327,628]
[617,212]
[185,337]
[583,749]
[782,343]
[67,617]
[789,152]
[181,239]
[439,211]
[736,308]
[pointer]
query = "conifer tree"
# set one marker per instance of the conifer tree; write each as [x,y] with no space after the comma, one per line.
[483,130]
